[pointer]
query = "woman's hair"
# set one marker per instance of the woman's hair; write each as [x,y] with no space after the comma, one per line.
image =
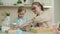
[21,8]
[38,4]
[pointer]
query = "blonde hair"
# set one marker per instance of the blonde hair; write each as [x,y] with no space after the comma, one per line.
[21,8]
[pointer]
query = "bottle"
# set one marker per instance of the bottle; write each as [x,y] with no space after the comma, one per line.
[59,25]
[19,2]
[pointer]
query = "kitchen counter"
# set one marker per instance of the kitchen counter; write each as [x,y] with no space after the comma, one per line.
[43,32]
[30,33]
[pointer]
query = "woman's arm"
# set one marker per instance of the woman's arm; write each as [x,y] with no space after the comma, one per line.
[43,19]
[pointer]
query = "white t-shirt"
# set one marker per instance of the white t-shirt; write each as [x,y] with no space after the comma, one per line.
[45,16]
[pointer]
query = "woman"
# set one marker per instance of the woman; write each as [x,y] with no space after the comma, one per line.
[42,18]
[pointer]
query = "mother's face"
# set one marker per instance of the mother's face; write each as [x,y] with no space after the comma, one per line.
[36,9]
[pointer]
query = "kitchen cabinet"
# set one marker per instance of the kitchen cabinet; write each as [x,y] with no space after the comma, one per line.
[27,3]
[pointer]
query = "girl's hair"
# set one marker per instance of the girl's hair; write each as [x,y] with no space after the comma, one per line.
[21,8]
[38,4]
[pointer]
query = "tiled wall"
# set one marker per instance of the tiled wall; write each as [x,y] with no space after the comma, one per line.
[3,10]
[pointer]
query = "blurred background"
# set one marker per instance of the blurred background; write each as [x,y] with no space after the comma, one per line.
[11,7]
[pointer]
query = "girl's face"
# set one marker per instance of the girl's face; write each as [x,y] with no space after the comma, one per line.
[22,13]
[36,9]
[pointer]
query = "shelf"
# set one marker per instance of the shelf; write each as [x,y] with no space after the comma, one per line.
[46,7]
[10,5]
